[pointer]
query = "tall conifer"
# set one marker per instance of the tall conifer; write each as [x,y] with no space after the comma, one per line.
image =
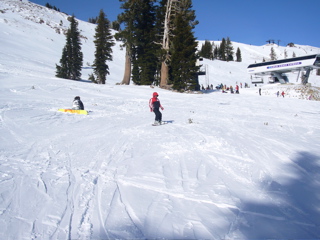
[77,55]
[222,50]
[143,20]
[103,42]
[127,18]
[229,50]
[184,57]
[216,53]
[238,55]
[144,58]
[72,57]
[273,55]
[62,69]
[206,50]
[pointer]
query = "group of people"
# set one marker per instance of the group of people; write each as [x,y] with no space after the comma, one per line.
[278,93]
[282,94]
[225,89]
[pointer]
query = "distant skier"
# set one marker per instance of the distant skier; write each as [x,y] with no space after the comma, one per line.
[77,104]
[154,104]
[237,89]
[231,89]
[260,91]
[282,94]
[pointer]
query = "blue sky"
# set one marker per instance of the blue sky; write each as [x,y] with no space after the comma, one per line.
[245,21]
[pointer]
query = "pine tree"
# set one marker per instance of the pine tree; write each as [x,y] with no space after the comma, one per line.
[93,20]
[216,53]
[222,50]
[139,38]
[183,64]
[103,42]
[229,50]
[183,69]
[72,57]
[206,50]
[238,55]
[144,57]
[273,55]
[62,70]
[115,25]
[77,56]
[126,35]
[144,21]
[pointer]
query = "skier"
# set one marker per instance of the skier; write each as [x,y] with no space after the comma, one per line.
[237,88]
[282,94]
[77,104]
[154,104]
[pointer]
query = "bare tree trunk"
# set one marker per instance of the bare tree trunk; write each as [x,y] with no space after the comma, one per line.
[165,46]
[164,74]
[127,69]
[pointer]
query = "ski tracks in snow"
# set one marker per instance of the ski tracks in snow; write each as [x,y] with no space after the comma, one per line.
[180,180]
[174,185]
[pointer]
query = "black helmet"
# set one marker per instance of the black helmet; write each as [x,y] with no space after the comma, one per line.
[77,98]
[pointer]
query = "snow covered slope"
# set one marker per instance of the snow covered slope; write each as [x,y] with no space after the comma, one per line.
[32,38]
[228,166]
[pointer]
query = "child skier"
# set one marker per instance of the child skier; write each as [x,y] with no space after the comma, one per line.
[77,104]
[154,104]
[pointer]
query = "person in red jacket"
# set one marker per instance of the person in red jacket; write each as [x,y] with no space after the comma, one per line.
[237,89]
[154,104]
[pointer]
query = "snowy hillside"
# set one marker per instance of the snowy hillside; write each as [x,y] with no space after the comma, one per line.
[227,166]
[36,32]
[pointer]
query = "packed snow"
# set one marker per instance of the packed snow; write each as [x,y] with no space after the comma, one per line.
[227,166]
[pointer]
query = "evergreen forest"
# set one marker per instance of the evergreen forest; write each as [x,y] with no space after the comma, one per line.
[158,36]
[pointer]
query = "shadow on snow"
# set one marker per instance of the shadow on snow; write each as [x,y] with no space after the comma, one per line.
[295,209]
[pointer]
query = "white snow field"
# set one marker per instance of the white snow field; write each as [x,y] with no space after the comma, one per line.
[228,166]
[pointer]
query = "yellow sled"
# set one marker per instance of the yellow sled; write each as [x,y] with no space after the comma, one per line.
[73,111]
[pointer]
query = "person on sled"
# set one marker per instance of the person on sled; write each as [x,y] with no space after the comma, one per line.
[77,104]
[154,104]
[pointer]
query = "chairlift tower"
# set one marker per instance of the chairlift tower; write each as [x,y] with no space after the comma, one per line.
[206,69]
[203,70]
